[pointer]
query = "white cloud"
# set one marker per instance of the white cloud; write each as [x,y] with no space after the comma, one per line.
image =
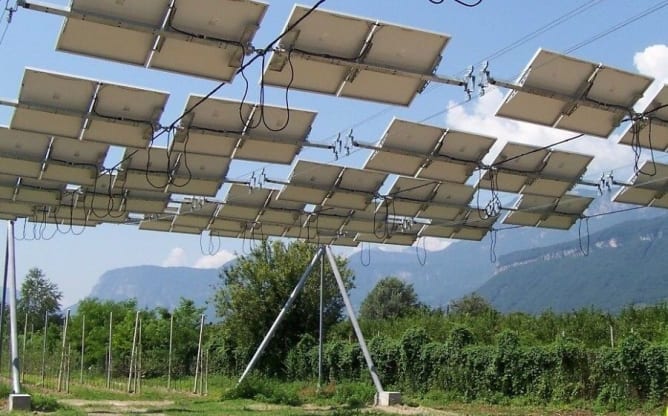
[177,257]
[214,261]
[434,244]
[653,61]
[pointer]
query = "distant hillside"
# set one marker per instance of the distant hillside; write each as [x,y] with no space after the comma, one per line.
[627,264]
[466,265]
[155,286]
[447,274]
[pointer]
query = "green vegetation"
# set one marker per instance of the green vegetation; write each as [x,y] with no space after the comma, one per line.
[253,291]
[470,354]
[391,298]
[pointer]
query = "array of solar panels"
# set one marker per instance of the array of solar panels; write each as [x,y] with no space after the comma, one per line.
[52,153]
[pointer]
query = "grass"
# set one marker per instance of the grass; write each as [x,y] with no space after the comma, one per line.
[270,397]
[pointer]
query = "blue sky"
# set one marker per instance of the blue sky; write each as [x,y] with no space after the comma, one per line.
[75,262]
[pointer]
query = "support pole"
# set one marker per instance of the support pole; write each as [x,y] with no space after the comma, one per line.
[83,346]
[281,314]
[111,323]
[353,320]
[320,323]
[63,353]
[4,302]
[133,353]
[13,331]
[198,361]
[169,357]
[46,327]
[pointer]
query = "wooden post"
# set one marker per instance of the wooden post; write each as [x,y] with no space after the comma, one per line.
[132,353]
[199,353]
[111,322]
[68,361]
[83,347]
[139,353]
[63,352]
[169,356]
[46,327]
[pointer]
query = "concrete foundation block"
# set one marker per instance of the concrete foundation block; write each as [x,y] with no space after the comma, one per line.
[388,398]
[19,402]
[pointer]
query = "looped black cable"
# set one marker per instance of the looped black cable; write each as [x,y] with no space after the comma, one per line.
[422,259]
[364,262]
[492,246]
[584,249]
[460,2]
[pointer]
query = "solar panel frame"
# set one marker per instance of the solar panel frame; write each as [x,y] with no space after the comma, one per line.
[565,92]
[332,45]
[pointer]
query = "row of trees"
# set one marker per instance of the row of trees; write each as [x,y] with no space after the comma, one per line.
[469,350]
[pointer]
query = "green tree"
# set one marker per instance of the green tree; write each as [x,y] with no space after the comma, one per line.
[96,313]
[253,290]
[391,298]
[38,297]
[471,305]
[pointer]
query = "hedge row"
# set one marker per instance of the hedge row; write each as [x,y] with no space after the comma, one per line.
[563,372]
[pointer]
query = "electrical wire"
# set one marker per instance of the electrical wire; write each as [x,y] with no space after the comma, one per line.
[463,3]
[365,262]
[584,249]
[422,259]
[492,246]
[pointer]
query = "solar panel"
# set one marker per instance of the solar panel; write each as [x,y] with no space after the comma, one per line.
[243,203]
[339,54]
[560,173]
[514,164]
[648,188]
[399,239]
[404,147]
[163,224]
[216,127]
[457,157]
[16,144]
[547,212]
[261,231]
[472,227]
[450,202]
[568,93]
[7,192]
[195,214]
[124,115]
[38,195]
[64,98]
[74,162]
[206,41]
[408,196]
[310,182]
[277,134]
[275,216]
[226,227]
[68,106]
[86,36]
[147,169]
[651,134]
[228,25]
[16,209]
[147,202]
[199,174]
[355,189]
